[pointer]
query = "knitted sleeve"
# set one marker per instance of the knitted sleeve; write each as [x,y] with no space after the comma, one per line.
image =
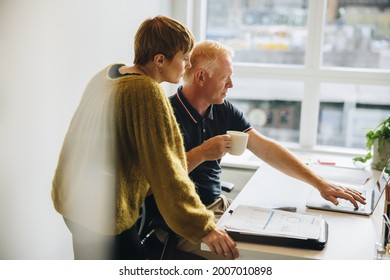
[152,128]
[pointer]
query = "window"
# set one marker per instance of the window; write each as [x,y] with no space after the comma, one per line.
[357,34]
[347,109]
[269,109]
[260,31]
[311,72]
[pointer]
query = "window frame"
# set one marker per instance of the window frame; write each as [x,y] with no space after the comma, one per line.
[312,73]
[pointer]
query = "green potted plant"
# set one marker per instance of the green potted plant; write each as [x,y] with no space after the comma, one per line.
[378,145]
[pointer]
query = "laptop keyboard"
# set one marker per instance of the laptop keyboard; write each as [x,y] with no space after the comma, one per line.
[347,204]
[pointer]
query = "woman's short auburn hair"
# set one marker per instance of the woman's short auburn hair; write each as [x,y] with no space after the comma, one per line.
[161,35]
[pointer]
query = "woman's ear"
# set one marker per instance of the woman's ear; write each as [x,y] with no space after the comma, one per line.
[159,59]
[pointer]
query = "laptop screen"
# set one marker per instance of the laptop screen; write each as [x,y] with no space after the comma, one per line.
[381,184]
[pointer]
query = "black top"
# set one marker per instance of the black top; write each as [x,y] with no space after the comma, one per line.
[197,129]
[114,71]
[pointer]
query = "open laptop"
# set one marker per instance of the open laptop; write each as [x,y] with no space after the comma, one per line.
[316,201]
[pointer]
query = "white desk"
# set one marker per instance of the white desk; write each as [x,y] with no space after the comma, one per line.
[351,237]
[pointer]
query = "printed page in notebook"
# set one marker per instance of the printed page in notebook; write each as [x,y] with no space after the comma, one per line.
[264,221]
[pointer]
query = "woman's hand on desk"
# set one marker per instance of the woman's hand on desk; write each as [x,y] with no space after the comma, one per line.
[332,191]
[221,243]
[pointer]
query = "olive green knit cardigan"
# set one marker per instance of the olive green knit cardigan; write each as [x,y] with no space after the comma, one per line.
[123,143]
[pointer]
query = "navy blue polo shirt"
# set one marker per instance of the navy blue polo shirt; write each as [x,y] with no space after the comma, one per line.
[196,129]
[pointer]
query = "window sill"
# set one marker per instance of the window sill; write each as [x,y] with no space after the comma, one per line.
[338,156]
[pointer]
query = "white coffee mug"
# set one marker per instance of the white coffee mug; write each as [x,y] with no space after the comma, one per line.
[239,140]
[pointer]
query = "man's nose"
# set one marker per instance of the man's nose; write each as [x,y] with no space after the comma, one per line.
[229,84]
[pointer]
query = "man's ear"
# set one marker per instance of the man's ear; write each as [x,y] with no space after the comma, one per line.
[200,76]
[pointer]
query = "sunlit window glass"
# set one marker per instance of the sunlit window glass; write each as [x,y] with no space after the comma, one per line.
[272,31]
[272,107]
[357,34]
[348,110]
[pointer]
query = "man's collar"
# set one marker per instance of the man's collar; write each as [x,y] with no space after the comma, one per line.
[192,113]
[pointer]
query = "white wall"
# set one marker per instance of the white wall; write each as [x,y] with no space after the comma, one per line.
[49,49]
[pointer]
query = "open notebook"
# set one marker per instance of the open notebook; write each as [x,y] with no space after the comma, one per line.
[277,227]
